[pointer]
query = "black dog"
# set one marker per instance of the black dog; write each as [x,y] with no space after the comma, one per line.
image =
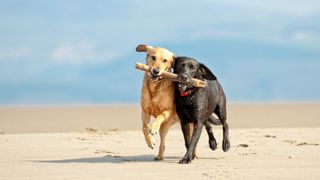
[197,105]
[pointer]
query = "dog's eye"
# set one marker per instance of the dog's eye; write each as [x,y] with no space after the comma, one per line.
[165,60]
[191,67]
[183,65]
[153,58]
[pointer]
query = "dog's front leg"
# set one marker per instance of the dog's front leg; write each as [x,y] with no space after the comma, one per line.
[187,134]
[145,129]
[159,120]
[192,146]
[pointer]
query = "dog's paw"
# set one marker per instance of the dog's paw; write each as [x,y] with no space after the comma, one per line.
[225,145]
[154,132]
[213,144]
[154,129]
[158,158]
[185,160]
[150,141]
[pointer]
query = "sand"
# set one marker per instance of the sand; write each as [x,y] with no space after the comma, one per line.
[275,141]
[45,119]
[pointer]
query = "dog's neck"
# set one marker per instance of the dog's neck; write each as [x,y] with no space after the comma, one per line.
[187,92]
[157,85]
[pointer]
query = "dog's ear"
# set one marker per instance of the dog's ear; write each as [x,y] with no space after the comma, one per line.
[174,57]
[143,48]
[175,63]
[206,73]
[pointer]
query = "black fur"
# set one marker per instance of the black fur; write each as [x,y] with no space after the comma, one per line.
[199,106]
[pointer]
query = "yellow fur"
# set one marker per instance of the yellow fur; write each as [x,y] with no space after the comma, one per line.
[157,97]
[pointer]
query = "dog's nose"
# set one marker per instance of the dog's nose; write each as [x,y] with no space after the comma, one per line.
[155,71]
[184,77]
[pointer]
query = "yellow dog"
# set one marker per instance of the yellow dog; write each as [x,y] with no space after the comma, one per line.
[157,97]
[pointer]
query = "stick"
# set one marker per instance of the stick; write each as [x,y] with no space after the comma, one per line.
[172,76]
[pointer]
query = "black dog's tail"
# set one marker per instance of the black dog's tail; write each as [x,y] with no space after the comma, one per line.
[215,121]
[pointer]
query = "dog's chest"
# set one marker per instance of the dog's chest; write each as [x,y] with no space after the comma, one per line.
[154,87]
[160,97]
[192,107]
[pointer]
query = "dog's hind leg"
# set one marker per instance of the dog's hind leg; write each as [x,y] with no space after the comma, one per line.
[163,133]
[222,114]
[145,129]
[212,140]
[215,121]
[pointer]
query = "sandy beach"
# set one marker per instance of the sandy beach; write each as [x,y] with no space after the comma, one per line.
[269,141]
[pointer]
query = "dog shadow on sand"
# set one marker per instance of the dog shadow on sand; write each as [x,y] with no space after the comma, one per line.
[110,159]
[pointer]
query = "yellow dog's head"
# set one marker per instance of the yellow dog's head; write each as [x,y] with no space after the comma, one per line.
[159,59]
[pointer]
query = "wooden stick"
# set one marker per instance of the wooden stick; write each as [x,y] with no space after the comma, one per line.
[172,76]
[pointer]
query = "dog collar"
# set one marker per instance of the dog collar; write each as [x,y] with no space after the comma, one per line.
[186,93]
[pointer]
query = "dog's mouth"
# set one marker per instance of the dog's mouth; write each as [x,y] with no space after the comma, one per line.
[182,87]
[154,77]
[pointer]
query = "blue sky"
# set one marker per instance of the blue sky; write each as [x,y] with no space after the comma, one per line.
[80,51]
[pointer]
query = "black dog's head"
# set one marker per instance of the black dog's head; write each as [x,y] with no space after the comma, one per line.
[188,68]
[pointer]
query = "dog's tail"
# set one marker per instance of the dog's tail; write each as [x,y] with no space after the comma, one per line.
[215,121]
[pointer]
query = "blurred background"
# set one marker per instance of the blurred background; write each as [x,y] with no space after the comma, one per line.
[83,52]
